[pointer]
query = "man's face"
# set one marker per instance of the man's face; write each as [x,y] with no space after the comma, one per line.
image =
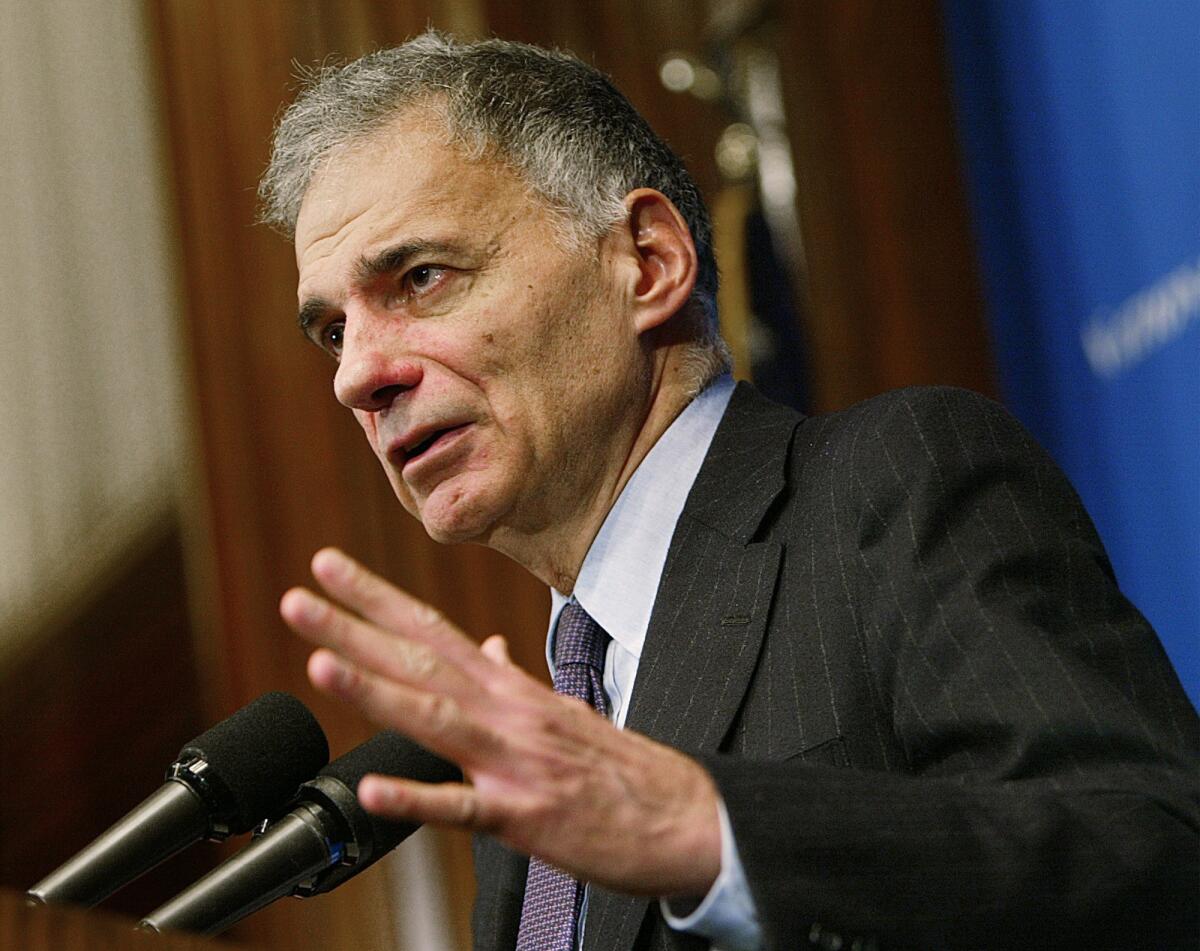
[498,377]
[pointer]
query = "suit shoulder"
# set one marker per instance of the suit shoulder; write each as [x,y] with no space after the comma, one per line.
[930,403]
[929,447]
[923,420]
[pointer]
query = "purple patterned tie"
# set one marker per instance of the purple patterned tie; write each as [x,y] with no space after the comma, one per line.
[553,898]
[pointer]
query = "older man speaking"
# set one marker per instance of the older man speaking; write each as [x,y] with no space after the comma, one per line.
[862,680]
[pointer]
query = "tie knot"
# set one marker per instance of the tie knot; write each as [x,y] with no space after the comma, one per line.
[578,639]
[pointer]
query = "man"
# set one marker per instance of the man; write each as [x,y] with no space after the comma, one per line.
[868,681]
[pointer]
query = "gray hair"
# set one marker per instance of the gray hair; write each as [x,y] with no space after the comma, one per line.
[557,122]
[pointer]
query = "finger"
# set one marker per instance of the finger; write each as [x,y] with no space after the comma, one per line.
[495,649]
[446,804]
[393,609]
[325,624]
[434,720]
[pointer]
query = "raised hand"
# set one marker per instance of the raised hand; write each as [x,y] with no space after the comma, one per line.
[544,773]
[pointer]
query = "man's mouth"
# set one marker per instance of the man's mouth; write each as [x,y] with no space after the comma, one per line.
[428,441]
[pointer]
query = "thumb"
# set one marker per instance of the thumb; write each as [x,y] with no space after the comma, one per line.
[495,649]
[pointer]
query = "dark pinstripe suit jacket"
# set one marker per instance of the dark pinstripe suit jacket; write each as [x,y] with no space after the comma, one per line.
[894,638]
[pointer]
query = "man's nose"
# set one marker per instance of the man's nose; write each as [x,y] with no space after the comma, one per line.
[373,369]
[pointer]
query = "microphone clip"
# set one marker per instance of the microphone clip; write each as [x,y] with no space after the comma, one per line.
[196,774]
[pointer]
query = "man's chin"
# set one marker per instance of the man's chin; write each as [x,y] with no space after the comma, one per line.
[453,534]
[452,517]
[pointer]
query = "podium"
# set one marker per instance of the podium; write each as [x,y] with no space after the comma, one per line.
[57,928]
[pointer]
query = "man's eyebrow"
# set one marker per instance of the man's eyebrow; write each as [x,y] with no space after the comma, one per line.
[311,311]
[390,260]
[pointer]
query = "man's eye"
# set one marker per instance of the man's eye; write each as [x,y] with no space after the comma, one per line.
[332,336]
[423,277]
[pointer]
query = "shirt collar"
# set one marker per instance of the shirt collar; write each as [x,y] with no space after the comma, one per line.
[619,578]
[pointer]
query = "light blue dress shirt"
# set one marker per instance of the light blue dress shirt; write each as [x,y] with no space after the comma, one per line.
[617,585]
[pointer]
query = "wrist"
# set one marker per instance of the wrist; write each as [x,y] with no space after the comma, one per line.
[726,915]
[699,851]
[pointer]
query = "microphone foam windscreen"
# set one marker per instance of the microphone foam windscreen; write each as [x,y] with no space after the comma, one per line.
[392,754]
[261,755]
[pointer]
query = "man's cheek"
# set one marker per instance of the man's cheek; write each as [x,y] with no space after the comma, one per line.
[367,422]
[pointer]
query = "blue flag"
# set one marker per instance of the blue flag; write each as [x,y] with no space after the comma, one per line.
[1081,128]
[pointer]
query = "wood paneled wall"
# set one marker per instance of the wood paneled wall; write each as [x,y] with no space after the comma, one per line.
[894,299]
[894,286]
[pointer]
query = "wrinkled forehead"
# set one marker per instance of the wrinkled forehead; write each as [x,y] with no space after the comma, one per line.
[412,173]
[407,171]
[427,119]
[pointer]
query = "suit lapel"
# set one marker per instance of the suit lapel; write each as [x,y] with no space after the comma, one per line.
[717,585]
[704,640]
[710,613]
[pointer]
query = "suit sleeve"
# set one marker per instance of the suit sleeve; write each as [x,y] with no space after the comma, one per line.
[1047,790]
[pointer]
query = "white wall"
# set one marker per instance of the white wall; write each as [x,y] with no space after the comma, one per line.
[90,385]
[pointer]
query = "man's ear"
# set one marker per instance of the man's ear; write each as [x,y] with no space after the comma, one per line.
[666,258]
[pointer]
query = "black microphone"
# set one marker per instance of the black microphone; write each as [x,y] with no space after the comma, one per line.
[224,781]
[326,839]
